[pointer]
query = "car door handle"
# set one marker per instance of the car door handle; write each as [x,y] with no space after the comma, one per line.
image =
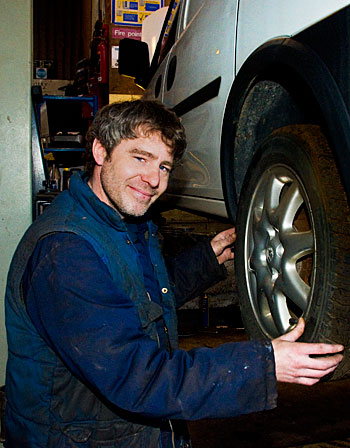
[171,73]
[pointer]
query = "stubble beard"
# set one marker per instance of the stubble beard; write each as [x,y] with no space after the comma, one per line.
[113,193]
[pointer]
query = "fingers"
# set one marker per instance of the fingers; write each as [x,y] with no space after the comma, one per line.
[319,349]
[304,363]
[296,333]
[226,255]
[319,365]
[309,377]
[228,233]
[309,348]
[221,245]
[224,238]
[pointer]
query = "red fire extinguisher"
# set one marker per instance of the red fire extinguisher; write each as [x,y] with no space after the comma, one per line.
[102,54]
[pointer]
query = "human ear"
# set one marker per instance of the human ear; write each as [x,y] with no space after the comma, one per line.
[99,152]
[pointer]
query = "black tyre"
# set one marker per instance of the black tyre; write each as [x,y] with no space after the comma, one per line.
[293,241]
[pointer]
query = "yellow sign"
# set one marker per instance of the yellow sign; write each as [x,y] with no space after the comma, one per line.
[133,13]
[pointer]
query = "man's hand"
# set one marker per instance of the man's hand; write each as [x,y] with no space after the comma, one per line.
[221,244]
[293,361]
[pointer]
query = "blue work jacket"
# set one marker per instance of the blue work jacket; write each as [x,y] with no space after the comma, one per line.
[102,385]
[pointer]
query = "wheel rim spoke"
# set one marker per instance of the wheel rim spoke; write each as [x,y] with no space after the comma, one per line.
[292,286]
[279,312]
[271,199]
[298,244]
[288,207]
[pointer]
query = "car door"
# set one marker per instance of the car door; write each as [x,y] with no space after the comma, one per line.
[194,78]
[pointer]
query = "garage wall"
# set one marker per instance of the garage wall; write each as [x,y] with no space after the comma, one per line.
[15,138]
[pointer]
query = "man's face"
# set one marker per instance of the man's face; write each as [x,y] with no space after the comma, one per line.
[136,174]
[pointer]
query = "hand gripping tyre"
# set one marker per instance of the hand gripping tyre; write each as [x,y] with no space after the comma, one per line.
[293,241]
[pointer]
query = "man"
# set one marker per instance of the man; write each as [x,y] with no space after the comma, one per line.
[91,309]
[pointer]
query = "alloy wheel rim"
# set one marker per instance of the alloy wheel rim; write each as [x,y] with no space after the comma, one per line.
[280,250]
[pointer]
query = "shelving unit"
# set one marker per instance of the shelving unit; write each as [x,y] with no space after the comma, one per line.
[67,117]
[58,143]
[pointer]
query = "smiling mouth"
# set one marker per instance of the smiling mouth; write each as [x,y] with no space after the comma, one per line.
[142,194]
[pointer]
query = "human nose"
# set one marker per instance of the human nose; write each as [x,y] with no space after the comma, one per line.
[152,176]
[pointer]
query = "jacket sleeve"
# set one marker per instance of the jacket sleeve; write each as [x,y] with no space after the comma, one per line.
[95,329]
[194,271]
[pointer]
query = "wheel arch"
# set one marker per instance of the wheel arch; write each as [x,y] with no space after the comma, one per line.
[282,83]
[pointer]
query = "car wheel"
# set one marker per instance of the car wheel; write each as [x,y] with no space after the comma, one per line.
[293,241]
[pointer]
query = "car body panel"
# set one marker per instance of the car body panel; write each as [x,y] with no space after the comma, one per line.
[277,18]
[213,43]
[193,176]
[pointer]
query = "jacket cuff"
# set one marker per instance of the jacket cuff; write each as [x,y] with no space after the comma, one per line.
[271,381]
[219,271]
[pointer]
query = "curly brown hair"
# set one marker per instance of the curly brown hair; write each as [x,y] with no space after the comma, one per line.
[120,121]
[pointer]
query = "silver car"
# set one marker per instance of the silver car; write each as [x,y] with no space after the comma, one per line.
[263,90]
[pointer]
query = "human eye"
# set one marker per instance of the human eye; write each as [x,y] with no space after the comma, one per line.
[165,169]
